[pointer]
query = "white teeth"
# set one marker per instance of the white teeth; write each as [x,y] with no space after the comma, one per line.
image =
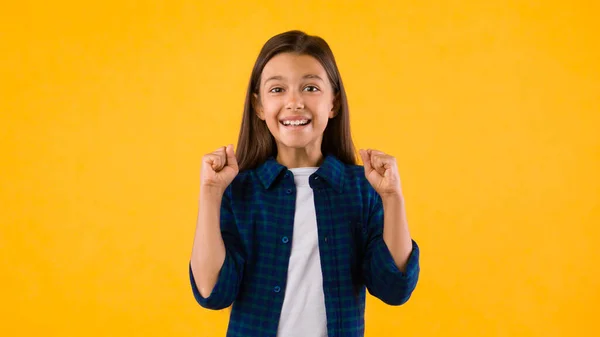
[296,123]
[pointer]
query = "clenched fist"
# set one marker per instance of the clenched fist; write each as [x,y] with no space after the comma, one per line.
[219,168]
[382,172]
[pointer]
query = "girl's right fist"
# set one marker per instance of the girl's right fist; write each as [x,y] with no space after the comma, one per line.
[219,168]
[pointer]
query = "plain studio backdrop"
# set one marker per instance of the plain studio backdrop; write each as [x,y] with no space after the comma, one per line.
[491,108]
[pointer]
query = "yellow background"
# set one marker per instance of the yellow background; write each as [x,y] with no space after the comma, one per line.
[491,107]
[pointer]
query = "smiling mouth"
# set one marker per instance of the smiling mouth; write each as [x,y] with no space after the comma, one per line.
[296,123]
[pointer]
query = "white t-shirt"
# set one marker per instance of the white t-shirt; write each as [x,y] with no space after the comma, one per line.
[303,313]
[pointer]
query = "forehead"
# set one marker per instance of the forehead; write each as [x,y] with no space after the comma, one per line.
[292,66]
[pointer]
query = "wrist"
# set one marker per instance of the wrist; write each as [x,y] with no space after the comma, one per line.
[392,199]
[211,192]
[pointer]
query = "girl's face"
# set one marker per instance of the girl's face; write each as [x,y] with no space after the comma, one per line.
[296,101]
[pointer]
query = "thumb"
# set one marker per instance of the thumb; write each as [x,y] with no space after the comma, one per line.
[231,159]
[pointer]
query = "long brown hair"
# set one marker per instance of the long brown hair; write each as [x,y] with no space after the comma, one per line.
[255,142]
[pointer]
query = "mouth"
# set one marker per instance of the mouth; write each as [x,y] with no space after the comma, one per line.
[295,124]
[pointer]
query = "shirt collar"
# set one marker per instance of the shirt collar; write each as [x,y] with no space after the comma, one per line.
[332,171]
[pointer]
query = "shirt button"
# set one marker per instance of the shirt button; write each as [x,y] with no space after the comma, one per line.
[325,239]
[317,177]
[287,174]
[285,239]
[276,289]
[289,191]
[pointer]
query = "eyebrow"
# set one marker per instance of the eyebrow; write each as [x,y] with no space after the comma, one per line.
[280,78]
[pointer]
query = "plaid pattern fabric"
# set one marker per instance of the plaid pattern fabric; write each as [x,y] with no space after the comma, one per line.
[257,217]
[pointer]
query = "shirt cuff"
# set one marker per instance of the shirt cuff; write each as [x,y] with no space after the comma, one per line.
[222,294]
[387,270]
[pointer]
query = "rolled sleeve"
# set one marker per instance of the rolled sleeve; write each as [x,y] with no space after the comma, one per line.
[225,290]
[382,276]
[385,280]
[230,276]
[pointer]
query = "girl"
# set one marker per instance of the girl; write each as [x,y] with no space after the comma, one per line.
[291,231]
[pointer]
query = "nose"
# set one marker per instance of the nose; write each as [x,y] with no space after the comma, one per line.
[294,102]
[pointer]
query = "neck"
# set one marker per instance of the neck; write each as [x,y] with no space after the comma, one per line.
[295,158]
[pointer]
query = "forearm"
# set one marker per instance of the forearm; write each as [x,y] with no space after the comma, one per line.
[208,252]
[395,229]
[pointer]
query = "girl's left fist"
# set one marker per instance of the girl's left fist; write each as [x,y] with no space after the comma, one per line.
[382,172]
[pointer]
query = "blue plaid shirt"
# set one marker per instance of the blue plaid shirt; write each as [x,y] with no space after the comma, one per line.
[257,217]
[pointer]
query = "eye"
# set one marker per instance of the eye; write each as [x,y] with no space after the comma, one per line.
[311,88]
[276,90]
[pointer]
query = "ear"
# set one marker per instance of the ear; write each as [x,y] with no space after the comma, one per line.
[257,107]
[335,106]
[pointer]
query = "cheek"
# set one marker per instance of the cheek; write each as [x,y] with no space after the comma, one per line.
[270,108]
[325,112]
[321,105]
[270,114]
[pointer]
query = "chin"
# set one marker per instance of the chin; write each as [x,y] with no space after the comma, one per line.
[294,144]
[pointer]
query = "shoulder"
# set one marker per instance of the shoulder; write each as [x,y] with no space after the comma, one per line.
[245,181]
[355,175]
[355,182]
